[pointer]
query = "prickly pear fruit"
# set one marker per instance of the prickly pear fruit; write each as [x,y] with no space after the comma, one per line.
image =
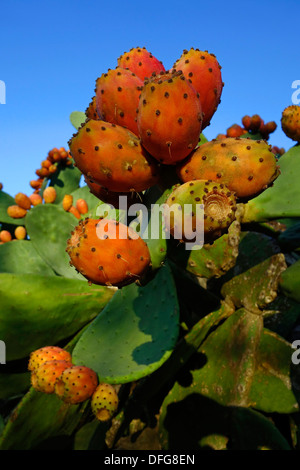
[113,157]
[219,206]
[91,110]
[117,97]
[111,197]
[35,199]
[246,166]
[67,202]
[5,236]
[23,201]
[20,232]
[16,212]
[76,384]
[169,117]
[104,402]
[235,131]
[73,210]
[141,62]
[290,122]
[107,252]
[44,377]
[82,206]
[49,195]
[204,72]
[47,353]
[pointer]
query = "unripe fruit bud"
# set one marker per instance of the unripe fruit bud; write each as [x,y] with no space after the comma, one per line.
[23,201]
[49,195]
[5,236]
[20,233]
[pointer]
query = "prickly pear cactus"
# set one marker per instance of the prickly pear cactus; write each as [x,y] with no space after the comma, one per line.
[194,349]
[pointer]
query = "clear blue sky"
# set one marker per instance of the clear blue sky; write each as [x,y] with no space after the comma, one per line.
[52,52]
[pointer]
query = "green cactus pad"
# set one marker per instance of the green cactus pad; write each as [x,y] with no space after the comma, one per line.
[246,365]
[49,228]
[21,257]
[37,310]
[263,280]
[45,415]
[207,425]
[5,201]
[282,199]
[213,260]
[65,181]
[84,193]
[135,334]
[290,281]
[77,118]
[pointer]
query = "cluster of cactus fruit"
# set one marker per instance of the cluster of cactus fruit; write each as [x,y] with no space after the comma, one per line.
[163,347]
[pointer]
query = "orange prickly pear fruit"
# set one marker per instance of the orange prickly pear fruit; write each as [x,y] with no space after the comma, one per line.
[49,195]
[104,402]
[76,384]
[44,377]
[169,117]
[141,62]
[23,201]
[235,131]
[204,72]
[107,252]
[113,157]
[91,110]
[42,172]
[45,354]
[20,232]
[246,166]
[35,199]
[81,206]
[75,212]
[36,184]
[67,202]
[5,236]
[16,212]
[290,122]
[117,97]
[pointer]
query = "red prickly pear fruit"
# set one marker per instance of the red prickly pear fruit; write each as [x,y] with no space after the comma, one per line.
[107,252]
[290,122]
[204,73]
[44,377]
[141,62]
[113,157]
[23,201]
[117,97]
[91,110]
[47,353]
[20,232]
[104,402]
[5,236]
[246,166]
[16,212]
[76,384]
[246,121]
[219,206]
[169,117]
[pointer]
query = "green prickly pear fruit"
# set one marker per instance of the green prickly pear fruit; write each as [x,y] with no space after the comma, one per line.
[246,166]
[219,206]
[104,402]
[169,117]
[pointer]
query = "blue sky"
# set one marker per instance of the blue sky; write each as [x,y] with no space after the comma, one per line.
[52,53]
